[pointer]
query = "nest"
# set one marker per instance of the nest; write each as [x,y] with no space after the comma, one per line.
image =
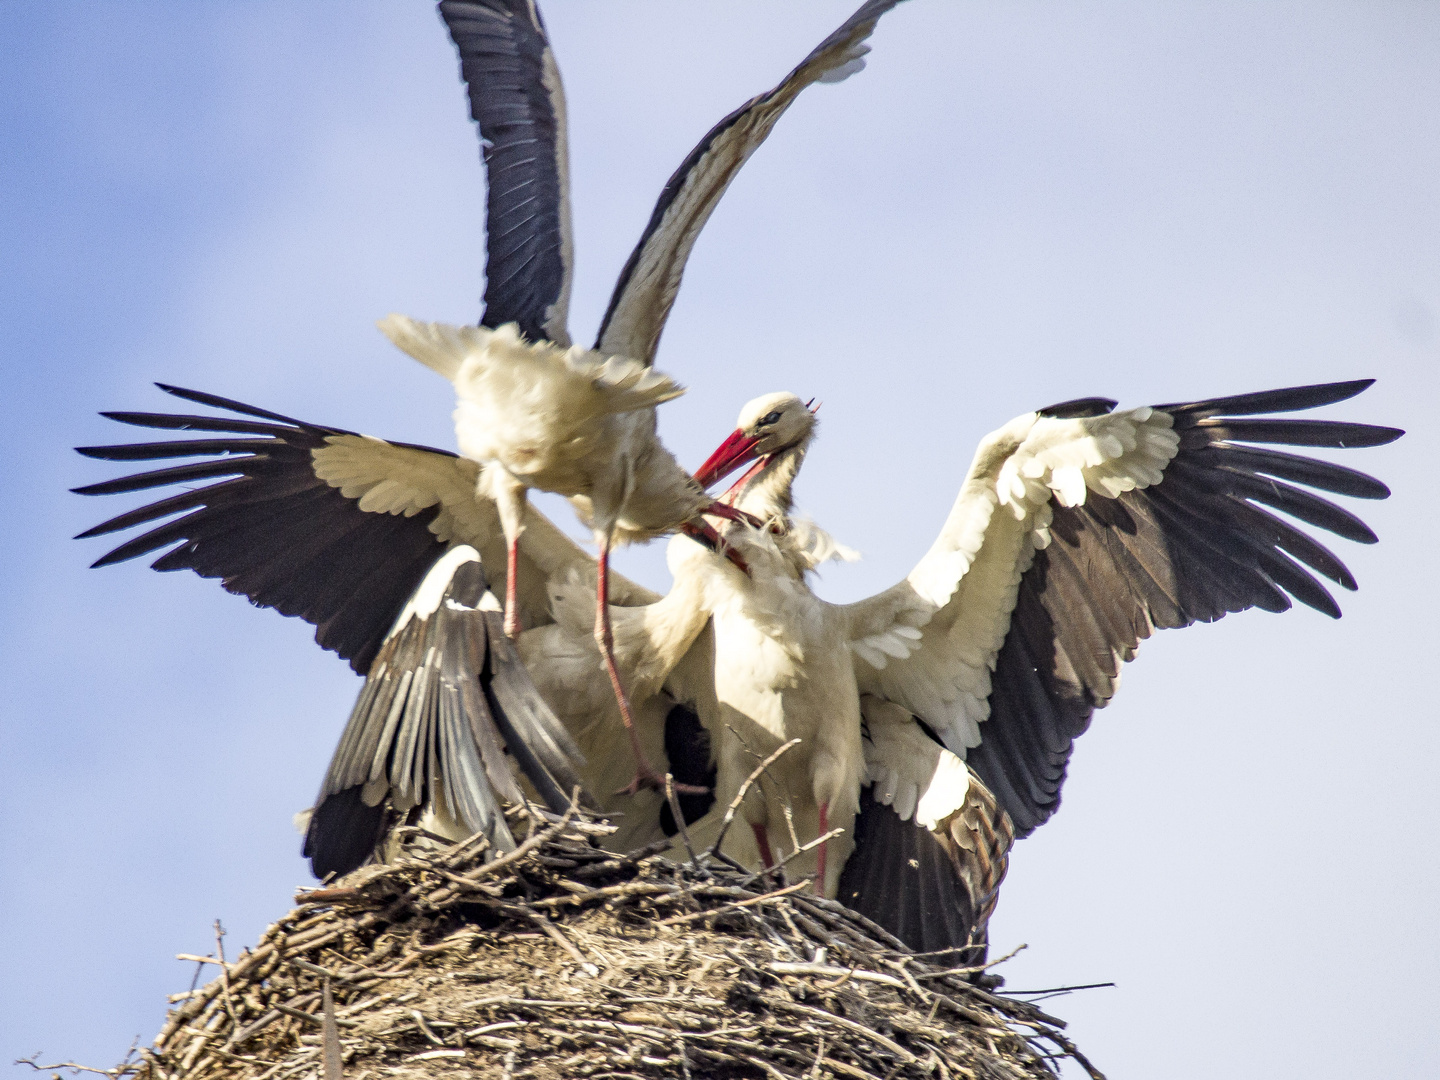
[561,959]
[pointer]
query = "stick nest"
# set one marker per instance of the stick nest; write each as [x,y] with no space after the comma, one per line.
[561,959]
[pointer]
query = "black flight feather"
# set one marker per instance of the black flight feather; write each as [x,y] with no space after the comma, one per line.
[1192,548]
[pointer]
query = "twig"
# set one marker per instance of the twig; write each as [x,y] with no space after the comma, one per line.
[781,967]
[330,1034]
[793,855]
[676,920]
[510,857]
[745,790]
[118,1071]
[1060,989]
[191,957]
[225,973]
[972,969]
[789,813]
[674,802]
[849,1025]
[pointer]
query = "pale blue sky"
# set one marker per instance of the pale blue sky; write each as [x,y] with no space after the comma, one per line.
[1016,203]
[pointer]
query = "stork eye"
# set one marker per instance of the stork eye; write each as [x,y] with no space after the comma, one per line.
[769,418]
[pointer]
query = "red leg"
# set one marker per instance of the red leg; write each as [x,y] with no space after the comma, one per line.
[512,606]
[820,857]
[645,774]
[762,841]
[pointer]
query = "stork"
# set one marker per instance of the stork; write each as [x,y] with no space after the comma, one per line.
[356,534]
[1077,532]
[537,411]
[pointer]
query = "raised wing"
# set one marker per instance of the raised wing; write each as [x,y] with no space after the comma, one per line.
[931,844]
[651,277]
[427,741]
[519,105]
[1076,535]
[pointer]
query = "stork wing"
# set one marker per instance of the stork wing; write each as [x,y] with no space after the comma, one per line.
[444,700]
[519,105]
[337,528]
[1077,533]
[650,279]
[931,845]
[380,546]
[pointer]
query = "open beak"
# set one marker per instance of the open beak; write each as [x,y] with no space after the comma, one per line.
[737,450]
[732,493]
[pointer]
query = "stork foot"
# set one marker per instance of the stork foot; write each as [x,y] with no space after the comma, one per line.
[647,779]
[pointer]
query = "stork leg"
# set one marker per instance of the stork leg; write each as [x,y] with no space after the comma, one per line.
[645,774]
[510,497]
[762,841]
[819,884]
[512,574]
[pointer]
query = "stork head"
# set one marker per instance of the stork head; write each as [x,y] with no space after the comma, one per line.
[769,425]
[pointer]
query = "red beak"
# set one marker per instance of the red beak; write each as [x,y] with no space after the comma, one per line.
[738,449]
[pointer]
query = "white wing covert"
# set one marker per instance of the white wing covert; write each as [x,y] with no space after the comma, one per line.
[930,642]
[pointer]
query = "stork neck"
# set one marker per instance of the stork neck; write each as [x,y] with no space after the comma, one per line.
[651,640]
[768,496]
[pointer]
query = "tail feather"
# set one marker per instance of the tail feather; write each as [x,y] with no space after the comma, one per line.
[933,889]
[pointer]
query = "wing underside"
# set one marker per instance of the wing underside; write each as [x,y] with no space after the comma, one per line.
[517,102]
[446,721]
[1201,543]
[650,279]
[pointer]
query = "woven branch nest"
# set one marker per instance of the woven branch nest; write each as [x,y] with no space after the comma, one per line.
[562,960]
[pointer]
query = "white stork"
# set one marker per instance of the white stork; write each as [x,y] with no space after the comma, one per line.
[538,411]
[1078,531]
[357,535]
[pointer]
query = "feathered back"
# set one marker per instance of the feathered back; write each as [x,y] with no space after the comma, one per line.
[522,401]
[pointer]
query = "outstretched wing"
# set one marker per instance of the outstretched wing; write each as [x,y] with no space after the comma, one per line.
[519,105]
[651,277]
[1078,532]
[445,699]
[931,844]
[334,527]
[380,545]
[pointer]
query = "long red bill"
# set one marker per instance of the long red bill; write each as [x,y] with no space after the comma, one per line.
[732,493]
[738,449]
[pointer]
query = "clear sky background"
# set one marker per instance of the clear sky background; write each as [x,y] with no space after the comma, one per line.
[1018,202]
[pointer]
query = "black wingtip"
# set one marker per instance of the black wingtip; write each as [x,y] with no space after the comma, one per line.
[1385,436]
[1286,399]
[1080,407]
[215,401]
[342,834]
